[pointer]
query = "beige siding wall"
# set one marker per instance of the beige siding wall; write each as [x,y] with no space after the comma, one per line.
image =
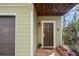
[58,26]
[34,31]
[22,37]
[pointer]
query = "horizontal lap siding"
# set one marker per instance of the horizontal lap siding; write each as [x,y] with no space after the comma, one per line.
[22,37]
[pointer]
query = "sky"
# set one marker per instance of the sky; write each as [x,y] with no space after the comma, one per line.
[69,16]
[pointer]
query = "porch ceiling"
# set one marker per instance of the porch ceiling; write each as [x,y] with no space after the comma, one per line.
[53,9]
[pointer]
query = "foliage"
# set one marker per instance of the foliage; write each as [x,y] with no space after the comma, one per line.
[39,45]
[69,35]
[69,32]
[75,25]
[66,40]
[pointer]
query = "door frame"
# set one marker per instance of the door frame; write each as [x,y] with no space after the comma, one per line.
[54,44]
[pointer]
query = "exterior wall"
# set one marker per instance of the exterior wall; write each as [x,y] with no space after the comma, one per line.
[34,31]
[58,26]
[22,36]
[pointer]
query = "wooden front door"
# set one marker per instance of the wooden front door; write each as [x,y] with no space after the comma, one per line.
[48,34]
[7,35]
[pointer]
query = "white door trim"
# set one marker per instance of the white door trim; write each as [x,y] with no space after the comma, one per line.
[53,33]
[31,36]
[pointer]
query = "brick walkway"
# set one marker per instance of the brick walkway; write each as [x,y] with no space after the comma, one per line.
[44,52]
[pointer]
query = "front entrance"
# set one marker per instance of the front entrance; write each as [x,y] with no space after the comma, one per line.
[47,34]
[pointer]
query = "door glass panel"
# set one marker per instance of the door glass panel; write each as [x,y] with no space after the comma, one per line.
[48,34]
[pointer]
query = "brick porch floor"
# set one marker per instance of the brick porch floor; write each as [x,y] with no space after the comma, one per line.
[44,52]
[52,52]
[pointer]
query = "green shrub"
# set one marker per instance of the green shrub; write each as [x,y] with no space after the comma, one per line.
[39,45]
